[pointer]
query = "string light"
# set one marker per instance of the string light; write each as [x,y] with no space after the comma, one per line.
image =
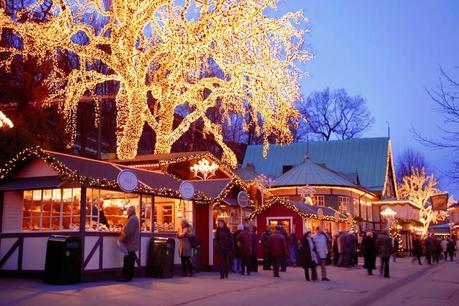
[201,55]
[5,122]
[419,187]
[288,205]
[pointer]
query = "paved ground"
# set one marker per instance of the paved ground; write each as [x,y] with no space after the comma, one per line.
[409,285]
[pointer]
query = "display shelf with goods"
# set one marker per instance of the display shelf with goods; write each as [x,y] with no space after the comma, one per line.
[169,212]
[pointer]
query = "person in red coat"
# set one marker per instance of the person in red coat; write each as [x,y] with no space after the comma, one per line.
[277,248]
[244,242]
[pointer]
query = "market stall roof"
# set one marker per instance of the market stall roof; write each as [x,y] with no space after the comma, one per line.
[310,173]
[91,172]
[304,210]
[369,157]
[440,228]
[32,183]
[211,188]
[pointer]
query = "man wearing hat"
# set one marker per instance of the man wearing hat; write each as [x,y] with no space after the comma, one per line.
[277,248]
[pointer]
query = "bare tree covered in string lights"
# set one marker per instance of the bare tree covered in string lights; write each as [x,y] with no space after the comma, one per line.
[419,187]
[162,54]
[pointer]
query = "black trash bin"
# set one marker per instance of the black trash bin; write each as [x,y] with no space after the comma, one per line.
[161,257]
[63,260]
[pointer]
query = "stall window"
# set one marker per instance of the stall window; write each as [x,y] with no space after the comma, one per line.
[319,200]
[106,210]
[146,218]
[343,204]
[285,223]
[169,212]
[51,209]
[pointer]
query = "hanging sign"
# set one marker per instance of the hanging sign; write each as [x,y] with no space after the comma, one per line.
[127,180]
[439,201]
[186,190]
[243,199]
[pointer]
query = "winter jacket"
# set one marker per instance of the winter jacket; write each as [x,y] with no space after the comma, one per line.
[244,242]
[306,255]
[277,245]
[444,245]
[223,239]
[384,246]
[130,235]
[417,247]
[184,248]
[321,244]
[368,247]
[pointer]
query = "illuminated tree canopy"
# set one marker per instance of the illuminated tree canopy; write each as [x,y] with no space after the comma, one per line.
[419,187]
[171,56]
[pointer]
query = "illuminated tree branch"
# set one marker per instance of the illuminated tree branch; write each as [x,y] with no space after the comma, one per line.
[195,56]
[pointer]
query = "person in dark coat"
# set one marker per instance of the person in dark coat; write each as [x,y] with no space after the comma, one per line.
[307,256]
[450,248]
[436,251]
[335,250]
[277,248]
[255,242]
[236,250]
[224,247]
[292,247]
[266,255]
[417,249]
[428,246]
[244,242]
[284,260]
[369,252]
[384,247]
[351,240]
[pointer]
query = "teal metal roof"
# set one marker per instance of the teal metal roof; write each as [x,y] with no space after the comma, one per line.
[310,173]
[366,156]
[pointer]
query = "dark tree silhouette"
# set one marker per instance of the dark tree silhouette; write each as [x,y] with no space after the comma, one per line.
[408,161]
[333,114]
[446,98]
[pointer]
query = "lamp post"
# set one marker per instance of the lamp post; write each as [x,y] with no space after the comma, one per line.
[388,214]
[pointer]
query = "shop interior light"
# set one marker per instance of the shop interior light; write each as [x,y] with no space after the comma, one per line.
[204,169]
[5,122]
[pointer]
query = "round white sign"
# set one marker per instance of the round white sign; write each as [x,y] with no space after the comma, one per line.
[186,190]
[243,199]
[127,180]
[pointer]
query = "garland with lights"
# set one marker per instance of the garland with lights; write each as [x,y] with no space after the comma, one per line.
[72,175]
[287,204]
[394,232]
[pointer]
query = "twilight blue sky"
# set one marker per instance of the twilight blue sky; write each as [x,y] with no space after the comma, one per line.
[389,52]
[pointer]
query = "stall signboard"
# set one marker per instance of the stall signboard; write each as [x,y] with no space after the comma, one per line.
[187,190]
[127,180]
[439,201]
[243,199]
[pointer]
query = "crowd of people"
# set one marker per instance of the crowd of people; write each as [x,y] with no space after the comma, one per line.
[434,249]
[237,251]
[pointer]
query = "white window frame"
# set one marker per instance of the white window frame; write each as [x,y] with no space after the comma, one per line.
[317,202]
